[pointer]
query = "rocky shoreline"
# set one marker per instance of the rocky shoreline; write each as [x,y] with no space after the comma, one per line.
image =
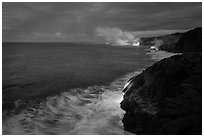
[166,98]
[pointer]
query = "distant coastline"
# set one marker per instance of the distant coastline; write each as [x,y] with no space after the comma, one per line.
[166,98]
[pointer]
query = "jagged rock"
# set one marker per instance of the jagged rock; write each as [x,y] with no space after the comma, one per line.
[166,98]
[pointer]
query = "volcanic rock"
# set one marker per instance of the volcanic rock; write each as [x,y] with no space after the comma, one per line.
[190,41]
[166,98]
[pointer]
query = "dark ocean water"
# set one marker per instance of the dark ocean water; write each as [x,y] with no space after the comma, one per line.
[61,88]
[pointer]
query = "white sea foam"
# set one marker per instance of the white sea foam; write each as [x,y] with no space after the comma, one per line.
[158,55]
[94,110]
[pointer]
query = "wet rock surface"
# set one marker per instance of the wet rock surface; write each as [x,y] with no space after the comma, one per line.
[166,98]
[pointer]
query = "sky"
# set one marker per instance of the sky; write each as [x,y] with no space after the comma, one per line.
[95,22]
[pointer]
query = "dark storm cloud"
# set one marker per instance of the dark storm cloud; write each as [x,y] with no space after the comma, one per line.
[79,21]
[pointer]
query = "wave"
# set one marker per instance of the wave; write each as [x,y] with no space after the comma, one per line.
[158,55]
[94,110]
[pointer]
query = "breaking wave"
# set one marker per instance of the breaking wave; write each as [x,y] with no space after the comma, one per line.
[94,110]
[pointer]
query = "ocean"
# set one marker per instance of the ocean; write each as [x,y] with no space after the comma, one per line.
[66,88]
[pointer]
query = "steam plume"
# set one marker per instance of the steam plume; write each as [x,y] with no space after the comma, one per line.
[158,42]
[116,36]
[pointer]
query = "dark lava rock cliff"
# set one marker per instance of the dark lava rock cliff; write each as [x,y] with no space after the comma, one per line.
[190,41]
[166,42]
[166,98]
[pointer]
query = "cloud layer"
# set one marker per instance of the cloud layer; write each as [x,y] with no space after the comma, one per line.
[21,21]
